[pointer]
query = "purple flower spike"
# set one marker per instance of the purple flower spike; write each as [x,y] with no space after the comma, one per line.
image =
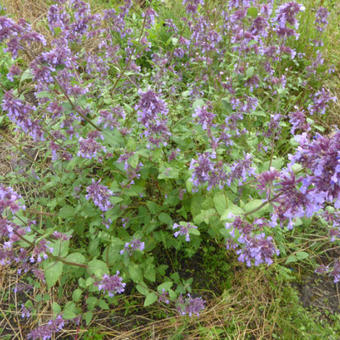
[190,305]
[111,284]
[183,230]
[100,195]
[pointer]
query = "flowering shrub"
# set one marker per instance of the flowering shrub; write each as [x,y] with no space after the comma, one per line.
[152,134]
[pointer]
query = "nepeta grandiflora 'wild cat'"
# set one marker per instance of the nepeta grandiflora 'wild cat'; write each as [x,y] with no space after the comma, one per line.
[153,132]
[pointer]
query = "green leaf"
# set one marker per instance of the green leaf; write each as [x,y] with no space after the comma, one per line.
[252,205]
[53,272]
[66,211]
[56,309]
[165,218]
[91,302]
[168,172]
[76,258]
[150,299]
[88,317]
[301,255]
[135,273]
[250,72]
[204,216]
[113,138]
[76,295]
[150,272]
[165,285]
[70,311]
[142,289]
[291,259]
[253,12]
[103,305]
[27,74]
[220,202]
[98,268]
[232,209]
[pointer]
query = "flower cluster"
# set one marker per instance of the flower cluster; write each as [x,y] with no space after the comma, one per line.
[100,195]
[46,331]
[206,170]
[9,199]
[132,246]
[183,230]
[111,284]
[151,113]
[89,147]
[190,305]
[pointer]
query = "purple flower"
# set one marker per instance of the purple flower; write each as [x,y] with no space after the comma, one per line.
[320,101]
[321,18]
[190,305]
[298,121]
[192,5]
[335,272]
[100,195]
[259,248]
[132,246]
[152,114]
[9,199]
[111,284]
[13,71]
[241,170]
[204,117]
[46,331]
[164,297]
[19,113]
[89,147]
[183,230]
[207,170]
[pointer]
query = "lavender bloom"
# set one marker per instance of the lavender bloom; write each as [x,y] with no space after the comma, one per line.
[320,101]
[45,332]
[57,18]
[241,170]
[89,147]
[259,248]
[40,251]
[19,113]
[206,170]
[322,157]
[190,305]
[9,199]
[286,14]
[25,313]
[183,230]
[111,284]
[100,195]
[192,5]
[322,269]
[204,117]
[298,121]
[266,179]
[132,246]
[164,297]
[13,71]
[335,273]
[109,119]
[321,18]
[151,113]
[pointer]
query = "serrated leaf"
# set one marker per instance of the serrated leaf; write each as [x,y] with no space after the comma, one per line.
[142,289]
[70,311]
[220,202]
[150,299]
[76,295]
[165,285]
[232,209]
[53,272]
[97,268]
[301,255]
[252,205]
[88,317]
[56,309]
[165,218]
[291,259]
[76,258]
[66,211]
[135,273]
[204,216]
